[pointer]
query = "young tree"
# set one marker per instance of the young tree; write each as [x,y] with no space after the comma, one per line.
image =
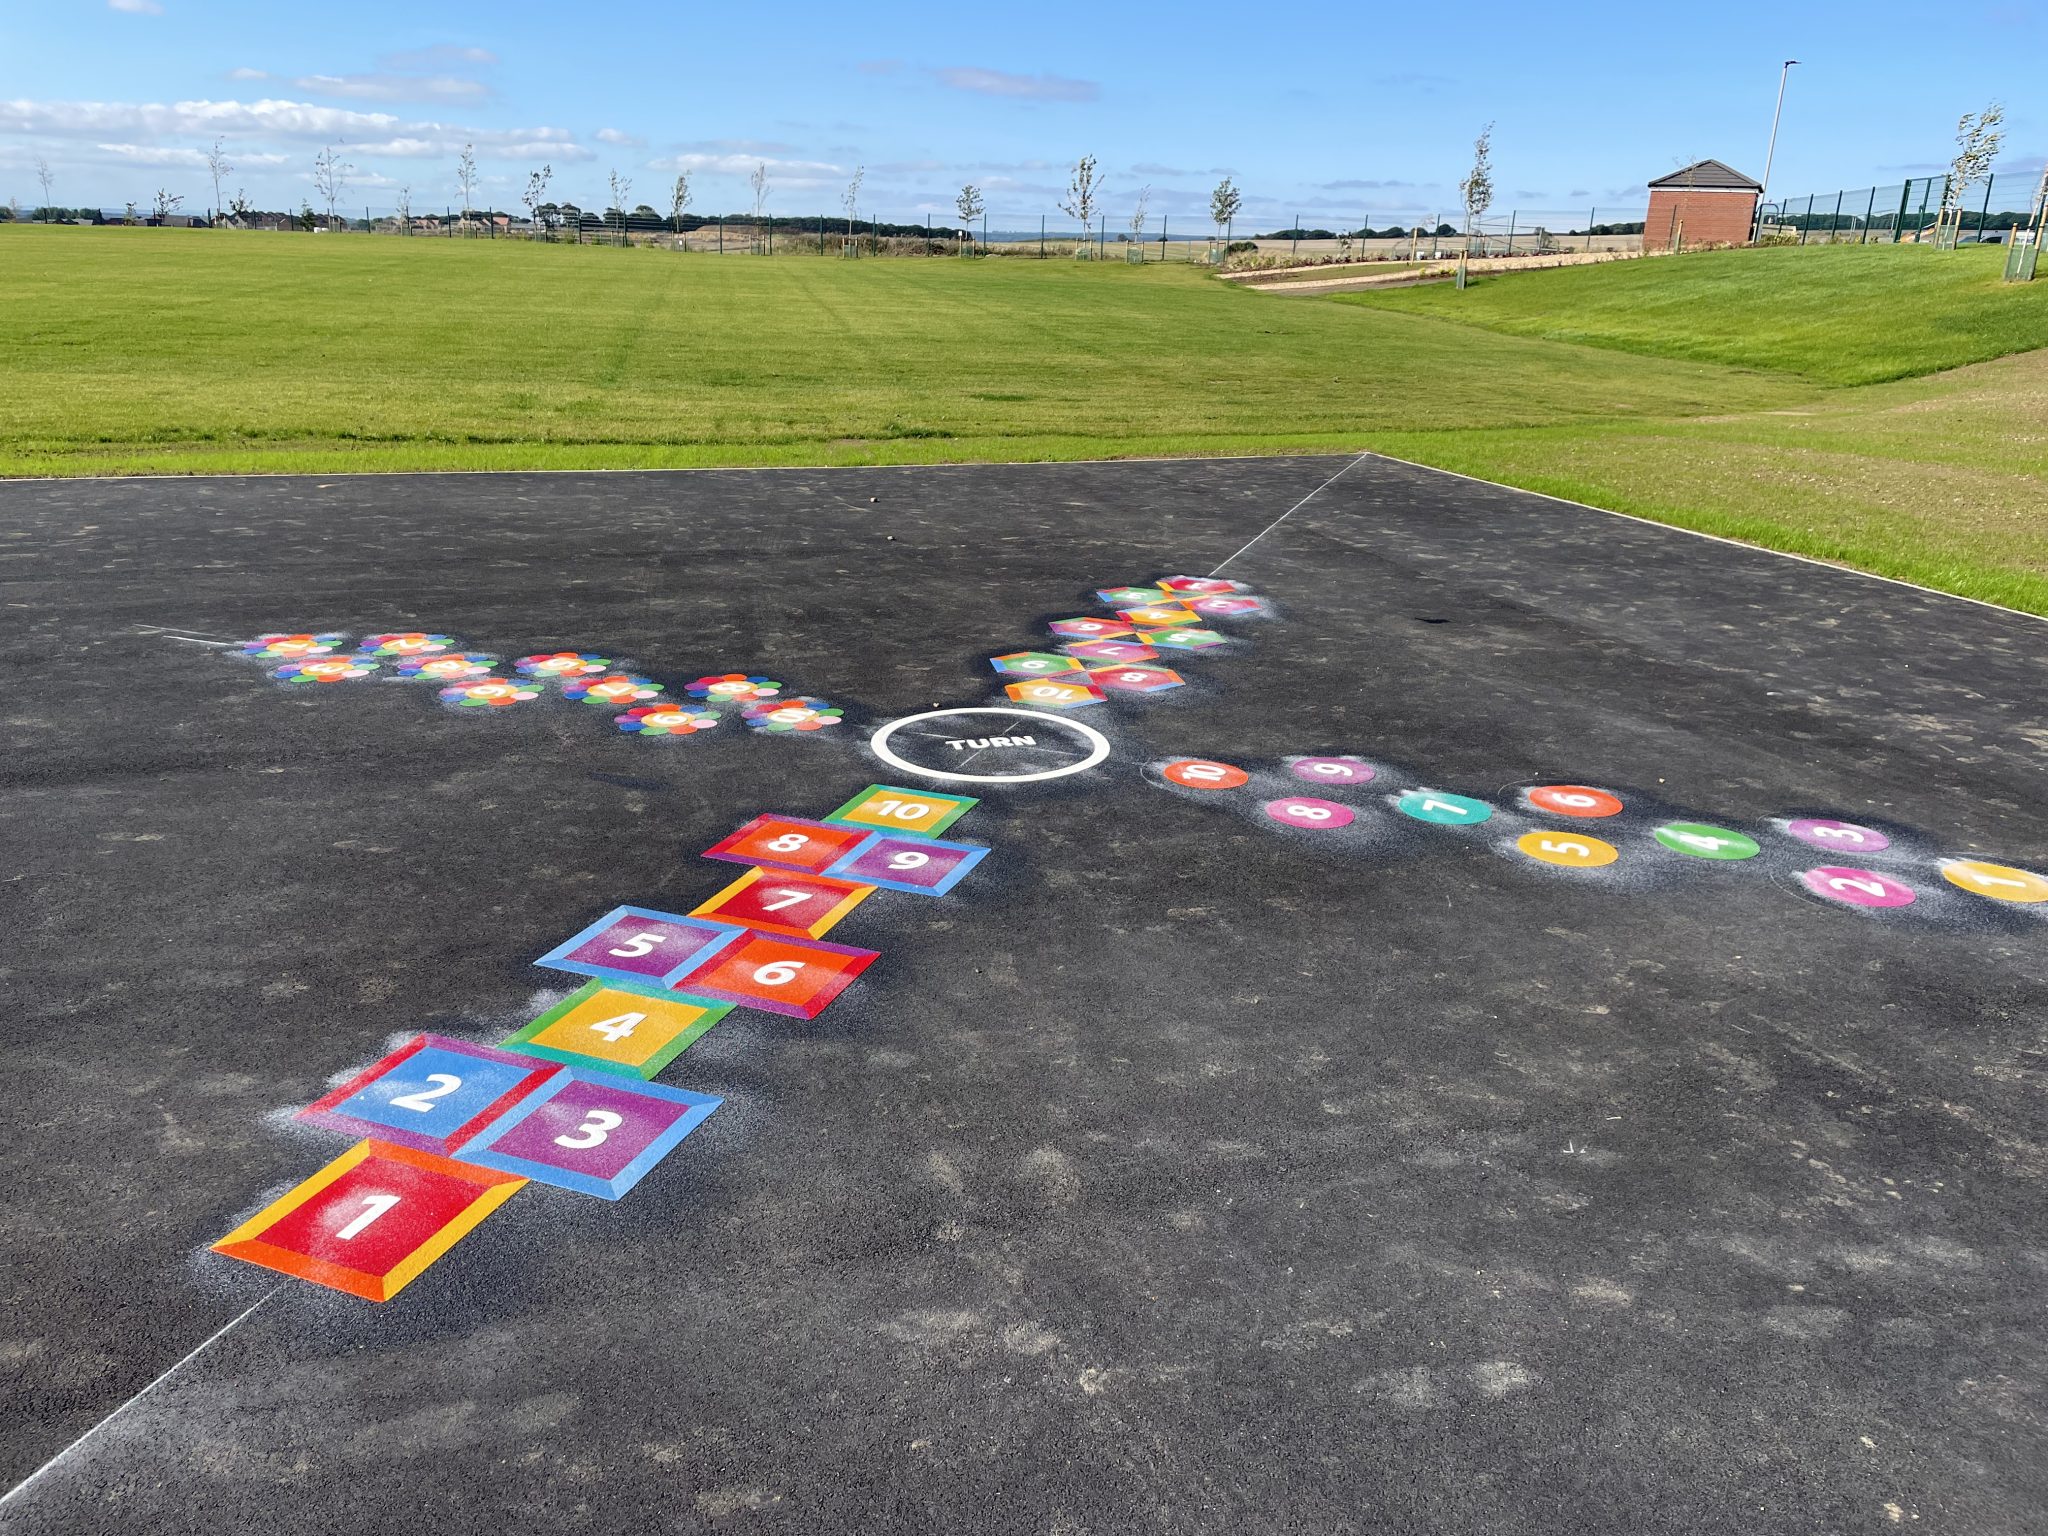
[1477,187]
[1223,205]
[679,199]
[167,203]
[217,163]
[465,177]
[970,207]
[1138,217]
[330,176]
[44,176]
[535,196]
[1978,137]
[130,219]
[621,187]
[1084,193]
[405,209]
[851,200]
[757,178]
[238,206]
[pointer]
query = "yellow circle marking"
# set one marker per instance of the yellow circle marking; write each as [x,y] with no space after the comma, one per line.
[1569,850]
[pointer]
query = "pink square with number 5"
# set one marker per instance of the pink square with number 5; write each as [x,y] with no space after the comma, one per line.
[640,944]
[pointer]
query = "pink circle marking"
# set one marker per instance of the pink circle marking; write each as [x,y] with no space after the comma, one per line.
[1856,887]
[1313,815]
[1331,770]
[1842,836]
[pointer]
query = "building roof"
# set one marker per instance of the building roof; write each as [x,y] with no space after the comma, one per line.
[1708,176]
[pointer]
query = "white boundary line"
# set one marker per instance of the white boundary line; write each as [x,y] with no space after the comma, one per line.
[1311,496]
[219,1333]
[1718,538]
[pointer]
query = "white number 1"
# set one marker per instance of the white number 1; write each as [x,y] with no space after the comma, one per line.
[378,1205]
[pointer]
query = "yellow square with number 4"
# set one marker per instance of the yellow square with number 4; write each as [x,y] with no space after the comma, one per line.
[916,811]
[613,1029]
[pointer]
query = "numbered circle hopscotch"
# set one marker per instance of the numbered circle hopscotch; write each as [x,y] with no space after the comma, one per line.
[2000,882]
[1823,832]
[1573,800]
[1701,841]
[1312,815]
[1567,850]
[1441,809]
[1200,773]
[1856,887]
[1332,770]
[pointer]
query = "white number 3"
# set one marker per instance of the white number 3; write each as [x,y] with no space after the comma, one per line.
[597,1124]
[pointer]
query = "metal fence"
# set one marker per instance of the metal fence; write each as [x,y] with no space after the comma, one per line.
[1903,211]
[1377,235]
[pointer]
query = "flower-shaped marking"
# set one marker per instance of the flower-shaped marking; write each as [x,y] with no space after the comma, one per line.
[733,688]
[413,644]
[448,669]
[325,669]
[798,714]
[288,647]
[614,688]
[564,664]
[490,693]
[668,718]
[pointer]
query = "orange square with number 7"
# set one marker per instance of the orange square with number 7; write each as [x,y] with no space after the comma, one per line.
[793,976]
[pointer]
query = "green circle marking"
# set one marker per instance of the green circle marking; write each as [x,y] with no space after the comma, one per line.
[1701,841]
[1444,810]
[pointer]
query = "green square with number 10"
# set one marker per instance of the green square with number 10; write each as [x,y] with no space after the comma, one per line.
[920,812]
[610,1028]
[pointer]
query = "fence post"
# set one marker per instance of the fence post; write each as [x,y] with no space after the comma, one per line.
[1592,218]
[1864,233]
[1834,228]
[1162,237]
[1294,245]
[721,234]
[1512,215]
[1899,219]
[821,237]
[1041,237]
[1984,213]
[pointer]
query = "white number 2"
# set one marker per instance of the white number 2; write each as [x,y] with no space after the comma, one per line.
[378,1205]
[423,1101]
[597,1124]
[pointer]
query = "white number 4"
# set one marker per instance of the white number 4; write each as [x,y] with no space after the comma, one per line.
[618,1027]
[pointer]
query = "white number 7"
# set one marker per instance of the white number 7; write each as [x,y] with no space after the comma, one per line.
[789,899]
[378,1205]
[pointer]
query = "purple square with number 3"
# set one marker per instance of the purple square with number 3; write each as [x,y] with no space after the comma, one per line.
[925,866]
[640,944]
[591,1132]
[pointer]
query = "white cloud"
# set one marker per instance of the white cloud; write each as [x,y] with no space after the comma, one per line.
[365,133]
[245,73]
[136,7]
[385,87]
[740,165]
[996,82]
[614,136]
[439,57]
[164,154]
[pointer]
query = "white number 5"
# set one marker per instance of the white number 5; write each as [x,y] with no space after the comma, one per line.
[638,945]
[597,1124]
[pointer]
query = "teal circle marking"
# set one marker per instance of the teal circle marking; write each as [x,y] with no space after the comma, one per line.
[1701,841]
[1443,810]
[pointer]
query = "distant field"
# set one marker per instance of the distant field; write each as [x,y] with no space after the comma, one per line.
[1837,314]
[1705,390]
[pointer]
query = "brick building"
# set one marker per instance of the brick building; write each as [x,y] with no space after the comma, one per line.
[1706,203]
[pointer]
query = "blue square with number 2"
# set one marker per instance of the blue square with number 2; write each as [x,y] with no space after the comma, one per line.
[433,1093]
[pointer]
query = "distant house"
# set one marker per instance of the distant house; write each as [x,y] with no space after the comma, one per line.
[1705,203]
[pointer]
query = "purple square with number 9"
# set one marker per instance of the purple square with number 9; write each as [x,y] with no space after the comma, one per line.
[591,1132]
[640,944]
[926,866]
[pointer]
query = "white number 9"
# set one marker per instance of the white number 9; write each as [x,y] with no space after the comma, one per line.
[909,860]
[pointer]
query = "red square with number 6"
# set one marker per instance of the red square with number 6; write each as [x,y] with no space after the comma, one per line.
[793,976]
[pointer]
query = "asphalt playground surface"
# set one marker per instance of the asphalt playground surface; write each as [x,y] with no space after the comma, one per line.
[1177,1172]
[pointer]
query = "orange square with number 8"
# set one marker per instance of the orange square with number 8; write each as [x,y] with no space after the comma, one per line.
[787,842]
[793,976]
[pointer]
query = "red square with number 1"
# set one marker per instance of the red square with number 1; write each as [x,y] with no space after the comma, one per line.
[793,976]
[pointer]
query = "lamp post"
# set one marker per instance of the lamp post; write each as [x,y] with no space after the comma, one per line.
[1771,154]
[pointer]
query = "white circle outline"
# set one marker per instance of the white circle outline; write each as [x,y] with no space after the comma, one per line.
[880,743]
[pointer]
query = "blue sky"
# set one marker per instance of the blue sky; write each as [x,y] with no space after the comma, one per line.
[1335,113]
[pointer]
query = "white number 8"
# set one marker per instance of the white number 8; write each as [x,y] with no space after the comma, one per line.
[789,842]
[1309,812]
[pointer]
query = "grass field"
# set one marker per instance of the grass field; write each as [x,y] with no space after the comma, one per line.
[1702,391]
